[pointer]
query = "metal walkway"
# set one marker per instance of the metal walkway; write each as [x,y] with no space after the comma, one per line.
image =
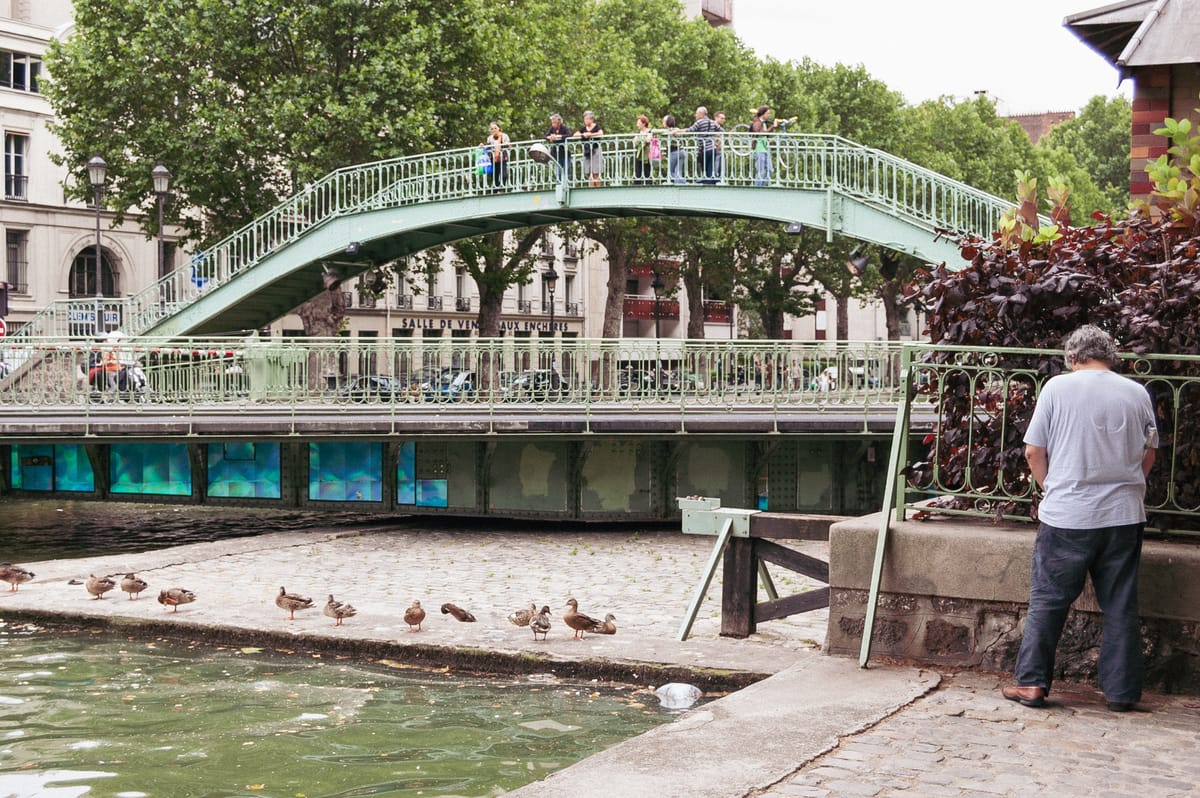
[368,215]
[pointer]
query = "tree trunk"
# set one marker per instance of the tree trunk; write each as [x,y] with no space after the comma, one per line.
[889,294]
[843,318]
[695,300]
[322,317]
[772,321]
[618,273]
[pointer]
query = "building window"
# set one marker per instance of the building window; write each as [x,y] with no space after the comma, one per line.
[17,262]
[170,248]
[83,274]
[16,175]
[460,277]
[569,288]
[20,71]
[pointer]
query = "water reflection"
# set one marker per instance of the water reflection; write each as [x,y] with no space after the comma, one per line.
[99,716]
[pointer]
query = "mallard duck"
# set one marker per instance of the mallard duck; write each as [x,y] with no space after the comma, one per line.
[522,617]
[292,602]
[605,627]
[458,612]
[175,596]
[578,621]
[414,616]
[338,610]
[14,574]
[132,585]
[99,585]
[540,623]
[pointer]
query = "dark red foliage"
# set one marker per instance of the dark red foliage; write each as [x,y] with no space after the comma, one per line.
[1138,279]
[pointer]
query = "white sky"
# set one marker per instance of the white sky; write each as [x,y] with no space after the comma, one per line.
[1016,50]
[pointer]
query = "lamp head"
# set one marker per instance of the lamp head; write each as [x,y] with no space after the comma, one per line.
[161,176]
[97,167]
[857,263]
[657,284]
[550,278]
[330,278]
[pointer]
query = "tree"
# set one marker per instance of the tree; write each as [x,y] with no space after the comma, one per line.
[1098,140]
[494,265]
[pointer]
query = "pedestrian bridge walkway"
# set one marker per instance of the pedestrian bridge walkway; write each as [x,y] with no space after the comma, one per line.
[363,216]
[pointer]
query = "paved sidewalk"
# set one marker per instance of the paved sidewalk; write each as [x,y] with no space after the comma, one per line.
[818,726]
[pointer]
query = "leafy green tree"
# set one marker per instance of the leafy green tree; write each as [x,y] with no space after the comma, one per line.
[1098,140]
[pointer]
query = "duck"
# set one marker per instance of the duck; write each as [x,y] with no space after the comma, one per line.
[540,623]
[133,585]
[15,575]
[338,610]
[522,617]
[605,627]
[173,597]
[99,585]
[413,616]
[458,612]
[292,602]
[578,621]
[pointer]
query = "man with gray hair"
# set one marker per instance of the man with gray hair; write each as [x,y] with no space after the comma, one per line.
[706,145]
[1090,444]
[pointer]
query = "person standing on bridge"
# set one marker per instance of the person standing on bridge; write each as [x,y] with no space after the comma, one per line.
[642,140]
[592,159]
[721,157]
[498,145]
[1090,445]
[674,152]
[557,137]
[762,145]
[706,147]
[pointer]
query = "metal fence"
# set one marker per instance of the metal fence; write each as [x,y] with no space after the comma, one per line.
[810,162]
[410,375]
[982,400]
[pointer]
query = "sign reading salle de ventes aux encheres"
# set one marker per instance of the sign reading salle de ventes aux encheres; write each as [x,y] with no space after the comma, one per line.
[410,323]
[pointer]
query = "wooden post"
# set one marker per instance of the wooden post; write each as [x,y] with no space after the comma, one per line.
[739,589]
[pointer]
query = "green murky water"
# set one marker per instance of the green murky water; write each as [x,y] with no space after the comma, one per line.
[90,715]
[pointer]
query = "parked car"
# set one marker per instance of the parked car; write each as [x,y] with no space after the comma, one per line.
[535,385]
[374,388]
[457,388]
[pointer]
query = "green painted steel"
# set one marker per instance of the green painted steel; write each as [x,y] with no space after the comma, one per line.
[361,216]
[414,377]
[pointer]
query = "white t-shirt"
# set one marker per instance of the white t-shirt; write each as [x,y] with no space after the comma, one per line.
[1095,426]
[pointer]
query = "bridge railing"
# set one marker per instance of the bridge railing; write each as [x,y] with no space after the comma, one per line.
[983,398]
[413,375]
[811,162]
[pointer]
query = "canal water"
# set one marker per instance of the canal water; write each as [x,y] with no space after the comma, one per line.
[103,716]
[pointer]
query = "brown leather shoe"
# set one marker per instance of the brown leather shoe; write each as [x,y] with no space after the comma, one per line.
[1030,696]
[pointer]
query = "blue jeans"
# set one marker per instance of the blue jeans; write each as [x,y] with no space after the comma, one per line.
[676,166]
[1062,559]
[762,168]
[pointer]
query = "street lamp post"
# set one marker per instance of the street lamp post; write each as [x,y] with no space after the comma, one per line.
[162,184]
[550,278]
[97,167]
[657,286]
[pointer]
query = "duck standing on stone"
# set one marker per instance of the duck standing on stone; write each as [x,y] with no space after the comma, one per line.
[540,623]
[292,602]
[605,627]
[15,575]
[173,597]
[338,610]
[133,585]
[522,617]
[414,616]
[578,621]
[458,612]
[99,585]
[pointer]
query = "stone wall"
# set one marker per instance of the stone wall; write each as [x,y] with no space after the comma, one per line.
[954,593]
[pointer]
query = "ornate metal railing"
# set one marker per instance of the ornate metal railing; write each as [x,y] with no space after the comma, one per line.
[982,400]
[811,162]
[413,374]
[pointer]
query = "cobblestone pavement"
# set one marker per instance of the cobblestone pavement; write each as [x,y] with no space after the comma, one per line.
[960,739]
[964,740]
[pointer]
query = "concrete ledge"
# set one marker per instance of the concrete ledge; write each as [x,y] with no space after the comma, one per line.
[954,592]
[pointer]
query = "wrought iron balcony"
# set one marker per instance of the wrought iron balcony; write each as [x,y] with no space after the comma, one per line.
[366,301]
[462,303]
[16,187]
[524,306]
[433,302]
[404,302]
[572,309]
